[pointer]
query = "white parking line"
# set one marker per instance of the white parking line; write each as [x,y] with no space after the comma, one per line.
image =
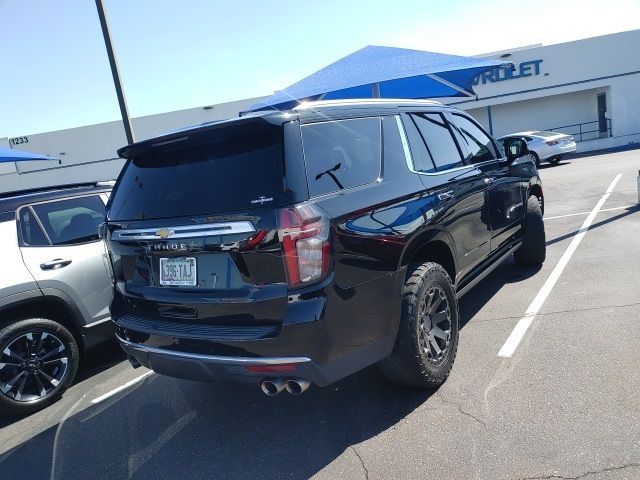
[523,324]
[587,213]
[121,387]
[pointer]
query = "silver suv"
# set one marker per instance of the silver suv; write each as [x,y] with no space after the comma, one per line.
[55,290]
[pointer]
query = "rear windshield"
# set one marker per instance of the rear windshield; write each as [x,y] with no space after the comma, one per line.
[235,171]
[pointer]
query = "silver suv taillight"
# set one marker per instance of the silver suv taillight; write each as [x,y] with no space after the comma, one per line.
[304,233]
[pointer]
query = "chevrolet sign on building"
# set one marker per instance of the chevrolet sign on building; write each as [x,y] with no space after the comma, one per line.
[524,69]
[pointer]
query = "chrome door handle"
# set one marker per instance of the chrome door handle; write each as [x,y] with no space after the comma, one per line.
[445,196]
[55,264]
[489,180]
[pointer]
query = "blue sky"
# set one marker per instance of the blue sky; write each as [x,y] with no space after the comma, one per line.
[180,54]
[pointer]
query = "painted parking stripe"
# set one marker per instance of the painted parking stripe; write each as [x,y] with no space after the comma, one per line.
[627,207]
[523,324]
[121,387]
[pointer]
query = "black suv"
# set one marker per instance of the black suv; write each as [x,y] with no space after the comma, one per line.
[297,247]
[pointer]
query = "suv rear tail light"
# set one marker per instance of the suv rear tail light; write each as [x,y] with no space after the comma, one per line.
[304,233]
[551,143]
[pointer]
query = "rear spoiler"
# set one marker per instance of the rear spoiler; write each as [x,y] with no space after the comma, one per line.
[197,134]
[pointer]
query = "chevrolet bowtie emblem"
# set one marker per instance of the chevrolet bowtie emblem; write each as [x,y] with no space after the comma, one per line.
[165,232]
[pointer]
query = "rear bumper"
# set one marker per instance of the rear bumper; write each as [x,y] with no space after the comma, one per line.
[205,368]
[335,334]
[211,368]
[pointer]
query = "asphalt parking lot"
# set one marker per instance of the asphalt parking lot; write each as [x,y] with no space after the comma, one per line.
[564,404]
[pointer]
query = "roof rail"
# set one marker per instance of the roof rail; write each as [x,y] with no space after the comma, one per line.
[360,101]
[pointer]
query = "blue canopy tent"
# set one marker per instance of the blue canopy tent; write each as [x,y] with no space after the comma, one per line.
[385,72]
[9,155]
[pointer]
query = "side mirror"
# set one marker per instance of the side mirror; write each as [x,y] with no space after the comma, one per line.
[515,148]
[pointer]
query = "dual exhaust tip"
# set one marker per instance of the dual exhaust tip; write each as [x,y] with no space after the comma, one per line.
[295,386]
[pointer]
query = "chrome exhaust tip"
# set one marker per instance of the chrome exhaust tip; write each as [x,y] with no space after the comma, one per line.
[271,387]
[297,386]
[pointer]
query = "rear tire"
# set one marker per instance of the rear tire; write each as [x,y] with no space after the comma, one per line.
[427,340]
[555,160]
[533,250]
[39,359]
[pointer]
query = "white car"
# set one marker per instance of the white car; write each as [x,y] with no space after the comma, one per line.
[547,146]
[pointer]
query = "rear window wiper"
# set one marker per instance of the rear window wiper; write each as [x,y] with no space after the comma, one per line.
[332,175]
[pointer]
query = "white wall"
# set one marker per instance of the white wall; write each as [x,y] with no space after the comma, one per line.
[625,104]
[154,125]
[543,113]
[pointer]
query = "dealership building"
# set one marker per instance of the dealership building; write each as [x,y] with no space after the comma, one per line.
[587,88]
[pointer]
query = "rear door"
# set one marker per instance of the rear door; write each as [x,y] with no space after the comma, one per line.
[460,188]
[192,231]
[61,249]
[505,188]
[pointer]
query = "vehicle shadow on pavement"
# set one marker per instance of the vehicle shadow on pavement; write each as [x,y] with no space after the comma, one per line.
[479,296]
[170,428]
[545,165]
[95,361]
[99,359]
[627,211]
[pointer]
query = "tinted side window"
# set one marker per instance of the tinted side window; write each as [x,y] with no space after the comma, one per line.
[31,231]
[70,221]
[478,143]
[420,156]
[441,145]
[341,154]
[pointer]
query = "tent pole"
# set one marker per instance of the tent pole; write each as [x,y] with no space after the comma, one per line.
[375,90]
[113,63]
[441,80]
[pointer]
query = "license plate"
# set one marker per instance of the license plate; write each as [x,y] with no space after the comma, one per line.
[178,271]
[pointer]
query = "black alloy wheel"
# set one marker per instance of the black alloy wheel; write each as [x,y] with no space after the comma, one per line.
[427,339]
[435,325]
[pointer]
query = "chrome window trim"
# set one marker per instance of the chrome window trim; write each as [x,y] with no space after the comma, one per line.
[409,157]
[405,144]
[183,231]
